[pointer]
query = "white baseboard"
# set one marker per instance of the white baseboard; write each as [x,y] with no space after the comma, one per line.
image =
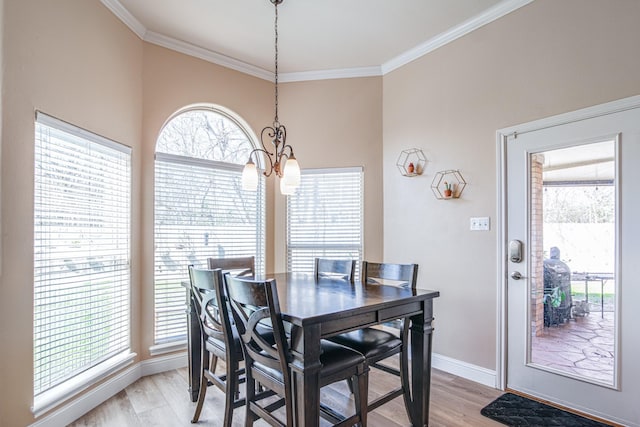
[465,370]
[163,364]
[93,398]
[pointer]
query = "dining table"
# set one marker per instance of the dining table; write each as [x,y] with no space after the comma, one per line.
[319,308]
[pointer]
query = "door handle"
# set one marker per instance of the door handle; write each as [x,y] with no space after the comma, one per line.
[516,275]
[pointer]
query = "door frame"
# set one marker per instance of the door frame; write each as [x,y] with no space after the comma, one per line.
[502,137]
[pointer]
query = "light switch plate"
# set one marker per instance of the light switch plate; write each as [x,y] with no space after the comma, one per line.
[481,223]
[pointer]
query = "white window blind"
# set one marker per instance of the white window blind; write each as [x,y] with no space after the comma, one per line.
[201,210]
[81,252]
[324,217]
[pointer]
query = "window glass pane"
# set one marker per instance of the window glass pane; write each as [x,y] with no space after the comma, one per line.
[81,251]
[205,134]
[201,211]
[324,217]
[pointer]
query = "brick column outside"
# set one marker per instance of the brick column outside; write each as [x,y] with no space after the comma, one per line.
[536,251]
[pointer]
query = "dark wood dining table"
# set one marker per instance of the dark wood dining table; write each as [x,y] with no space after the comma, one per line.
[319,309]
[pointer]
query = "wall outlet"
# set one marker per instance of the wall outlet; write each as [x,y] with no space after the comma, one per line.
[480,223]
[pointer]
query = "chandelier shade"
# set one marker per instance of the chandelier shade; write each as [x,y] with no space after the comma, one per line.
[279,156]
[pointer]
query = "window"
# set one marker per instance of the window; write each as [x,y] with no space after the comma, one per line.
[324,217]
[81,257]
[201,210]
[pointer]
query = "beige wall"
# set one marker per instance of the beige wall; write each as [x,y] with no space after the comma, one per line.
[546,58]
[74,60]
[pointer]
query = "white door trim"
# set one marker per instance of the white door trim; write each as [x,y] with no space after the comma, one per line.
[502,136]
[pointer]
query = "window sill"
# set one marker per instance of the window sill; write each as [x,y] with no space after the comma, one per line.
[70,388]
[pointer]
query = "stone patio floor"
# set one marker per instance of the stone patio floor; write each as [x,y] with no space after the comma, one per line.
[582,346]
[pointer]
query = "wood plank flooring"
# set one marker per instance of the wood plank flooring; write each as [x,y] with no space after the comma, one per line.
[162,400]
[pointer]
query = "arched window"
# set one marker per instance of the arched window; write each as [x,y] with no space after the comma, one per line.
[201,210]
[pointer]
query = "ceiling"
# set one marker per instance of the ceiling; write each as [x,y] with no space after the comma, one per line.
[317,38]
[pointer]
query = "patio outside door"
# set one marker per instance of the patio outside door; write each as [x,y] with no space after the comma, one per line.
[571,268]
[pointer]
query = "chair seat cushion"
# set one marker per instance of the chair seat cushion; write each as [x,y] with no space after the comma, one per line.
[334,358]
[371,342]
[217,346]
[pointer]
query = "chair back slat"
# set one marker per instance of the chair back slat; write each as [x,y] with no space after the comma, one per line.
[405,275]
[238,266]
[343,269]
[207,290]
[256,307]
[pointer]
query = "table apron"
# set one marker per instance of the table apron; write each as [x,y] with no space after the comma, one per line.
[359,321]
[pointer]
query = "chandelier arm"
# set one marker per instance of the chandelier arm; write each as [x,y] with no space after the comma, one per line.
[269,171]
[284,154]
[271,134]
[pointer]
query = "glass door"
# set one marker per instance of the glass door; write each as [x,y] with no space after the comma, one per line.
[570,204]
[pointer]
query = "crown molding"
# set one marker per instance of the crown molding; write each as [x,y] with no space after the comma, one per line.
[490,15]
[125,16]
[207,55]
[342,73]
[498,11]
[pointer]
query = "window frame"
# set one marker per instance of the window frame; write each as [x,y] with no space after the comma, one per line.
[166,339]
[98,367]
[321,250]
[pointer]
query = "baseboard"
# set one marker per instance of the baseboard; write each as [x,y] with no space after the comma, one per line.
[163,364]
[96,396]
[465,370]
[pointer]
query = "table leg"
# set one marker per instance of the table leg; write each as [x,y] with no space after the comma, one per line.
[305,378]
[421,336]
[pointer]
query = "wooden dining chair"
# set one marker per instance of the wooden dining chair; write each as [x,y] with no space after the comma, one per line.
[237,266]
[255,302]
[218,341]
[377,344]
[335,268]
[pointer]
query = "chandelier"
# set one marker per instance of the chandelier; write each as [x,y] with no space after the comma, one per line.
[281,160]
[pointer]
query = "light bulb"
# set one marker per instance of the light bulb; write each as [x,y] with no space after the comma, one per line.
[291,173]
[250,176]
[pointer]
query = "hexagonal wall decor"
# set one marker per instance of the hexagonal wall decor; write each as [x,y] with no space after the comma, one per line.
[411,162]
[448,184]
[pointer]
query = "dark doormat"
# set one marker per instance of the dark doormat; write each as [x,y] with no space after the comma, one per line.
[516,411]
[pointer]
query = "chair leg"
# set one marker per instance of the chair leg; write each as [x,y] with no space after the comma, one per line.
[214,363]
[204,382]
[250,397]
[231,393]
[350,382]
[404,380]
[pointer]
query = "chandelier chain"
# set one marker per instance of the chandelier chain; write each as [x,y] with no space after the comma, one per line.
[276,122]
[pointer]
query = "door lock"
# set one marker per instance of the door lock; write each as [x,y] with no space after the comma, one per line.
[515,251]
[516,275]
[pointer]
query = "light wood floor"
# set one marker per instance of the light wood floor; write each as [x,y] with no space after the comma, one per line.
[162,400]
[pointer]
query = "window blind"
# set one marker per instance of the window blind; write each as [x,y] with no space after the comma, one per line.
[324,217]
[81,251]
[201,211]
